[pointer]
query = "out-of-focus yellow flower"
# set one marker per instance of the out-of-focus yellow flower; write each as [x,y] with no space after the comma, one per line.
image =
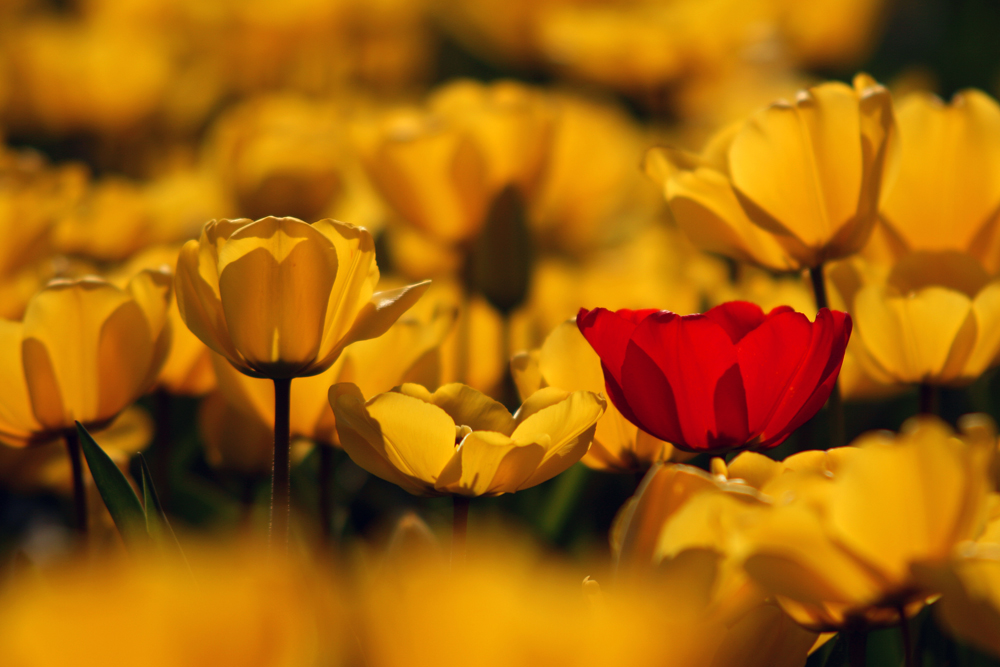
[567,361]
[440,168]
[837,33]
[838,545]
[81,76]
[935,320]
[46,465]
[280,298]
[109,223]
[235,439]
[946,192]
[970,602]
[84,351]
[402,354]
[188,368]
[286,155]
[459,441]
[231,607]
[795,185]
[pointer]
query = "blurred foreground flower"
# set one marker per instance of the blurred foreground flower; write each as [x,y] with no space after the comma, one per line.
[458,441]
[795,185]
[567,362]
[733,378]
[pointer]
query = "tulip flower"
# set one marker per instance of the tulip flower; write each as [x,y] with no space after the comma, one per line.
[935,320]
[84,352]
[280,299]
[841,547]
[946,193]
[732,378]
[458,441]
[970,604]
[795,185]
[566,361]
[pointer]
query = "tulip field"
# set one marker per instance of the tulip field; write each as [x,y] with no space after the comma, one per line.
[483,333]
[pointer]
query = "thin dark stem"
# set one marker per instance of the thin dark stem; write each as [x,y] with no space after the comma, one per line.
[835,404]
[163,445]
[281,473]
[72,440]
[857,647]
[459,528]
[929,399]
[326,505]
[904,629]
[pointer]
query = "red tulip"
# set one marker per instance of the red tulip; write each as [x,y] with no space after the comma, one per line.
[731,378]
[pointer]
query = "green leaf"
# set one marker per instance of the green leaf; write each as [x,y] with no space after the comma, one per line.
[115,490]
[157,526]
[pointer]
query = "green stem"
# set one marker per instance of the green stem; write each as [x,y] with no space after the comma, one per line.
[72,441]
[281,473]
[835,404]
[562,498]
[459,528]
[904,629]
[857,647]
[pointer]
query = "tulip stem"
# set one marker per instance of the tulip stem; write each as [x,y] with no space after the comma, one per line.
[835,404]
[928,399]
[326,491]
[857,647]
[163,443]
[459,528]
[72,440]
[904,629]
[281,473]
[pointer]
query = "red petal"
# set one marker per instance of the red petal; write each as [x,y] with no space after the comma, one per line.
[693,353]
[738,318]
[770,356]
[649,397]
[608,333]
[808,391]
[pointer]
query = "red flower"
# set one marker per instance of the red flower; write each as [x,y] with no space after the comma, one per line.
[731,378]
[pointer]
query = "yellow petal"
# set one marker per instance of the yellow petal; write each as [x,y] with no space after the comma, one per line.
[986,308]
[275,281]
[17,421]
[466,406]
[764,637]
[525,368]
[357,275]
[564,429]
[911,337]
[801,165]
[199,303]
[948,185]
[489,463]
[399,438]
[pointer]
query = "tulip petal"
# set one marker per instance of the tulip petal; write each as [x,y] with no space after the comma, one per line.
[357,276]
[488,464]
[800,164]
[737,318]
[609,332]
[200,305]
[650,404]
[564,429]
[525,367]
[393,436]
[695,355]
[275,280]
[17,421]
[466,406]
[986,308]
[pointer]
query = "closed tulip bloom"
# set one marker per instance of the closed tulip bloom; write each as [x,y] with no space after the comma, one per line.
[807,173]
[731,378]
[280,298]
[458,441]
[947,190]
[84,351]
[566,361]
[935,320]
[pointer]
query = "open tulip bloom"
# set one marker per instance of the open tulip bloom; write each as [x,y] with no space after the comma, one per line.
[731,378]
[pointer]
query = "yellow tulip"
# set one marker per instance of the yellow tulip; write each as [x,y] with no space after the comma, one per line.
[795,185]
[280,298]
[567,361]
[458,441]
[84,351]
[946,193]
[405,353]
[229,607]
[838,545]
[935,320]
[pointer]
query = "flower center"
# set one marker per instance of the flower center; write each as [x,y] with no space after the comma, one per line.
[460,433]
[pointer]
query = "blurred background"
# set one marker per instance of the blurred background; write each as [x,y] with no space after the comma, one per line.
[127,124]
